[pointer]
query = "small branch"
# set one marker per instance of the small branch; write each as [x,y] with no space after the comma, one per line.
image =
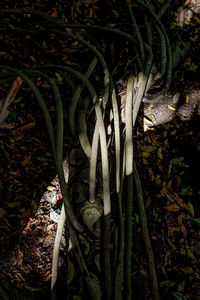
[12,93]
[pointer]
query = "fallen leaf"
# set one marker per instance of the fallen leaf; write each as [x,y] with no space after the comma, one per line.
[146,148]
[180,202]
[26,127]
[145,154]
[172,208]
[153,118]
[170,107]
[171,244]
[172,229]
[151,175]
[187,270]
[180,219]
[187,98]
[20,257]
[26,160]
[51,188]
[2,212]
[190,208]
[160,156]
[48,277]
[184,231]
[14,204]
[173,132]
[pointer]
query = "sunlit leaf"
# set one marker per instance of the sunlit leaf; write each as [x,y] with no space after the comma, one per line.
[48,277]
[51,188]
[170,107]
[187,98]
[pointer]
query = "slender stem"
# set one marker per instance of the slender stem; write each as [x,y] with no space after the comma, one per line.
[128,237]
[74,101]
[59,148]
[129,130]
[143,220]
[120,246]
[82,128]
[105,174]
[93,164]
[136,31]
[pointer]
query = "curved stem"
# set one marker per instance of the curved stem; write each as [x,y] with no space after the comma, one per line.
[169,55]
[105,173]
[143,220]
[82,128]
[74,101]
[41,102]
[107,79]
[59,148]
[136,31]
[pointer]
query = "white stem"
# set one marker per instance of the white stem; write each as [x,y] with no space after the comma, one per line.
[56,248]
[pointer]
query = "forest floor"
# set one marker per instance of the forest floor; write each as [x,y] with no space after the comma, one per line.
[167,138]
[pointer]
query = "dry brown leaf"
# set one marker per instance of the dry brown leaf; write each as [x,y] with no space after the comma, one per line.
[151,175]
[187,270]
[26,269]
[172,208]
[19,277]
[172,229]
[20,257]
[145,154]
[146,148]
[180,202]
[26,127]
[26,160]
[184,231]
[171,244]
[159,164]
[180,219]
